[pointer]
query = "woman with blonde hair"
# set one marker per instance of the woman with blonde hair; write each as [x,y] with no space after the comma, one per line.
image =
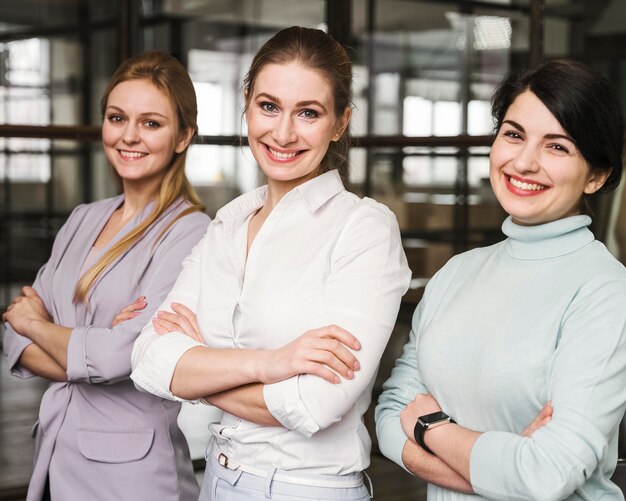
[111,265]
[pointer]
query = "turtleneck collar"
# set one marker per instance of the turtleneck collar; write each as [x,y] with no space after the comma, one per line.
[548,240]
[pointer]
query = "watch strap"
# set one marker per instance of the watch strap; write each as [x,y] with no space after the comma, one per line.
[420,430]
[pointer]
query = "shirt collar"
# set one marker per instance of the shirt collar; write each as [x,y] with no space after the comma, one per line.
[319,190]
[543,241]
[315,193]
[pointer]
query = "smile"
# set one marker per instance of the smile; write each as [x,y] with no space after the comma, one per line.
[522,185]
[280,155]
[131,155]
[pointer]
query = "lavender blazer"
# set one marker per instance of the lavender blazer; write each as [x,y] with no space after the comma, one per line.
[97,436]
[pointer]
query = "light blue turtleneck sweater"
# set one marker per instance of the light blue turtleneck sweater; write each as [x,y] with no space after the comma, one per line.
[499,332]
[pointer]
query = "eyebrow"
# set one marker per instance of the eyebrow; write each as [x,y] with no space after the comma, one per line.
[146,114]
[547,136]
[298,104]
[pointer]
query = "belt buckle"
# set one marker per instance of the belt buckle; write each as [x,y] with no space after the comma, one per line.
[222,459]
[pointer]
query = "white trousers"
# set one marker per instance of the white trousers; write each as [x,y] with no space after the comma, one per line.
[223,484]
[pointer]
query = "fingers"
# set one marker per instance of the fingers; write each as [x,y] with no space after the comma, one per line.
[122,317]
[30,292]
[138,304]
[542,419]
[336,356]
[316,369]
[174,322]
[338,333]
[181,309]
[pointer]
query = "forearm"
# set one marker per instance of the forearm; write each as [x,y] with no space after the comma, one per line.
[203,371]
[245,402]
[453,445]
[52,339]
[40,363]
[432,469]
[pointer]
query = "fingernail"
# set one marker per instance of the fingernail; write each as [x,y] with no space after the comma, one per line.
[357,365]
[336,380]
[350,374]
[357,345]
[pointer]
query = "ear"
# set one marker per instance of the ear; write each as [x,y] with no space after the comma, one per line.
[342,123]
[596,181]
[185,138]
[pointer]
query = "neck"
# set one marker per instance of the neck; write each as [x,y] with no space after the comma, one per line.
[136,197]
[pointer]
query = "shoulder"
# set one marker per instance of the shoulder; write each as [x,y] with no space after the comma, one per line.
[599,269]
[179,223]
[93,209]
[364,212]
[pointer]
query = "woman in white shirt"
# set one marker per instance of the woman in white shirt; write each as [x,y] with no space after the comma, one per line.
[288,258]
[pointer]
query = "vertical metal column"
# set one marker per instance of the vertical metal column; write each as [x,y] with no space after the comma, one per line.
[128,28]
[536,32]
[339,20]
[371,94]
[461,186]
[86,99]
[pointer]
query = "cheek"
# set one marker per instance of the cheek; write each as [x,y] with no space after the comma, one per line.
[108,136]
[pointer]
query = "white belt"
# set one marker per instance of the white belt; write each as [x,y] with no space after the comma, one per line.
[337,482]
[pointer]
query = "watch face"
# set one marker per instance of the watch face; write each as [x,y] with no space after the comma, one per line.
[434,418]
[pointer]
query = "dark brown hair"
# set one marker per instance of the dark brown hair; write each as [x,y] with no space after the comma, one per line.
[586,105]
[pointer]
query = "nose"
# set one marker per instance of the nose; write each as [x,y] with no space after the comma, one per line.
[526,159]
[131,134]
[284,131]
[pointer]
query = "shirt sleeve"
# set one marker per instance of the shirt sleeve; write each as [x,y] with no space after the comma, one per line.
[368,277]
[103,355]
[13,343]
[587,387]
[155,357]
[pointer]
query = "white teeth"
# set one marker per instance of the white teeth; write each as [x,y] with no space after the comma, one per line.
[278,154]
[526,186]
[132,154]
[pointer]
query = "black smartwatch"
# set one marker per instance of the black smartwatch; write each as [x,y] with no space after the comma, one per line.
[426,423]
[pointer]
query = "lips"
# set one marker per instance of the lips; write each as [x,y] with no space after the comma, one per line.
[132,155]
[524,187]
[282,156]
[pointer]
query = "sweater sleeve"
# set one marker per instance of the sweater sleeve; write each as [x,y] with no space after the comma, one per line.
[103,354]
[368,277]
[587,387]
[398,391]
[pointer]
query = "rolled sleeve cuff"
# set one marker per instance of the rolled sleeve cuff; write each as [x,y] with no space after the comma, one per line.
[283,402]
[155,370]
[77,370]
[13,345]
[391,440]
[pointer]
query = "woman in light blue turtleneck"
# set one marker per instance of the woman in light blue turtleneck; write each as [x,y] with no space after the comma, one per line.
[532,328]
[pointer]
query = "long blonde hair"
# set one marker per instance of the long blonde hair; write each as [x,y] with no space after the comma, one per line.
[171,78]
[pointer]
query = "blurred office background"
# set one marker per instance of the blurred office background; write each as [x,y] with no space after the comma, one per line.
[421,130]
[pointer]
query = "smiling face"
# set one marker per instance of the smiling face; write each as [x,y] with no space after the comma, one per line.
[140,133]
[537,173]
[291,122]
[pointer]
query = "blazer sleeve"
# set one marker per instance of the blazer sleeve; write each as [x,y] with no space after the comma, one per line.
[13,343]
[103,355]
[587,386]
[154,357]
[368,277]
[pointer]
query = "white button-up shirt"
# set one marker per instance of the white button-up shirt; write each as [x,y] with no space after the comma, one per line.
[323,256]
